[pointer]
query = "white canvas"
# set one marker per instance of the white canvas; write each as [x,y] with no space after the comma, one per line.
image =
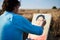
[46,27]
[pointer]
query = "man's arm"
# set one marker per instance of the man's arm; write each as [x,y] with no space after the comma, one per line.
[26,26]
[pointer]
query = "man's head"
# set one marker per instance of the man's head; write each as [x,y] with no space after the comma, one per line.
[11,5]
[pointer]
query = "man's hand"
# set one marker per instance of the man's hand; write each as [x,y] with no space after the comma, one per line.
[42,23]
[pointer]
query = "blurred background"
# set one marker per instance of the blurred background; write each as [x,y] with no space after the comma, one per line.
[29,7]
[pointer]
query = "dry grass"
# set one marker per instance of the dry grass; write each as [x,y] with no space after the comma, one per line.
[54,32]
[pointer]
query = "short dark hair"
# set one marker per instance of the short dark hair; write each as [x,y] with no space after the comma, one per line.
[40,16]
[11,4]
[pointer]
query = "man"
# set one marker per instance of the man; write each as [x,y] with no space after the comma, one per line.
[13,25]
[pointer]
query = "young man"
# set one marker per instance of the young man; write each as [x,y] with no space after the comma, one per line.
[13,25]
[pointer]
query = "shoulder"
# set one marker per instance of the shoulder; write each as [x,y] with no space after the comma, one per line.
[17,16]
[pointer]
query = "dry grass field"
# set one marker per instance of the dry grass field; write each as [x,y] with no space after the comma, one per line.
[54,32]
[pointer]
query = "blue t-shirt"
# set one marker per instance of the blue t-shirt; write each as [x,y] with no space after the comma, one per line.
[13,25]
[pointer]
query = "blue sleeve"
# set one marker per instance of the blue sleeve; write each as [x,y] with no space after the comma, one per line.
[26,26]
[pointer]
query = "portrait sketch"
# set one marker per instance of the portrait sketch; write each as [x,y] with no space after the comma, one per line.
[35,21]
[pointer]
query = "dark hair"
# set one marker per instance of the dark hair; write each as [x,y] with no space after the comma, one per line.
[10,4]
[4,5]
[40,16]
